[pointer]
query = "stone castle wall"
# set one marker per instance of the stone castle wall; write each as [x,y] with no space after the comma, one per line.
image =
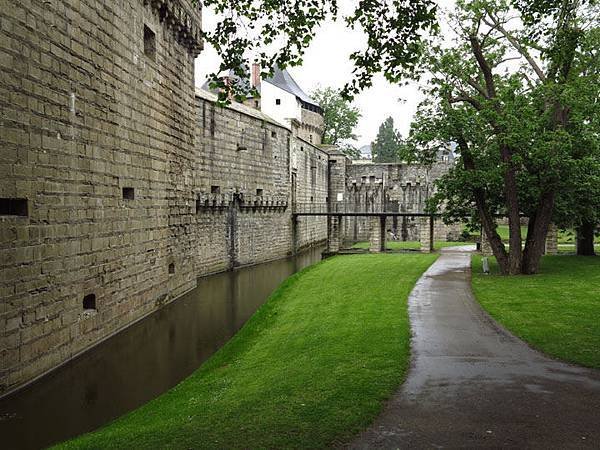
[121,184]
[311,126]
[309,167]
[243,179]
[395,188]
[97,132]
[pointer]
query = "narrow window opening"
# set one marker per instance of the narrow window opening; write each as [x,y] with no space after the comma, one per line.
[310,138]
[149,43]
[259,192]
[256,103]
[312,199]
[215,190]
[89,302]
[278,101]
[273,134]
[128,193]
[242,144]
[171,269]
[13,207]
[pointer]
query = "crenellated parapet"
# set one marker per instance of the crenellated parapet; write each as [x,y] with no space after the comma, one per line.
[184,19]
[245,202]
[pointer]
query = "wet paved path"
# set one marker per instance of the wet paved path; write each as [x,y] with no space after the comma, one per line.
[472,384]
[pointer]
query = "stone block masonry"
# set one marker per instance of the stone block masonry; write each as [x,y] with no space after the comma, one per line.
[249,171]
[96,142]
[393,187]
[121,184]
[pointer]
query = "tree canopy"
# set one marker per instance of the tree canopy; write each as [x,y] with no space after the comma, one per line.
[340,119]
[520,103]
[388,145]
[275,33]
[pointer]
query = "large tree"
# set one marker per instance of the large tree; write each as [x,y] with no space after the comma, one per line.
[388,144]
[578,202]
[340,119]
[520,103]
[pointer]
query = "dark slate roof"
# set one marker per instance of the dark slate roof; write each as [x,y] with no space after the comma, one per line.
[283,80]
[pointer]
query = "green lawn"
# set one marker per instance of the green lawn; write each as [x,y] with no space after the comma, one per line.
[311,368]
[570,248]
[557,311]
[564,236]
[411,245]
[503,232]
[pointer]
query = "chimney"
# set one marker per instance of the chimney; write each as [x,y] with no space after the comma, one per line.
[255,75]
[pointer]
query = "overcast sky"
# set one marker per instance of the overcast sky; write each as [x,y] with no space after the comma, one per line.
[326,63]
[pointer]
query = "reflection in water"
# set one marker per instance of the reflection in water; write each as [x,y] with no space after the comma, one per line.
[143,361]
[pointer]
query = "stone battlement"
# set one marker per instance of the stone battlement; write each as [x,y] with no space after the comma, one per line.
[183,19]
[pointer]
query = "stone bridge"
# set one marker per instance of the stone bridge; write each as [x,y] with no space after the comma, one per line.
[377,217]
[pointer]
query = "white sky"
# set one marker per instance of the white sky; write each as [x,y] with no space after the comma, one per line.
[326,63]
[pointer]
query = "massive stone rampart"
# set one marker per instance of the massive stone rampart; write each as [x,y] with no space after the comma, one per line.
[96,162]
[249,171]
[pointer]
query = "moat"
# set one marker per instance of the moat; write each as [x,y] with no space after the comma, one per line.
[144,360]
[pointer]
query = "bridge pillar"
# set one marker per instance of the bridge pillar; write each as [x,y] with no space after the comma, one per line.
[552,240]
[334,233]
[377,234]
[426,234]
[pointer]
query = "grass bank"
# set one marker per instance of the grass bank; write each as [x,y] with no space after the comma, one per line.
[310,368]
[411,245]
[556,311]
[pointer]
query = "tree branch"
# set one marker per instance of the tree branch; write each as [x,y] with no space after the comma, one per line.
[471,82]
[517,46]
[483,66]
[465,98]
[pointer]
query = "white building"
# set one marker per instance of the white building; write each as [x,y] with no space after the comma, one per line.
[282,99]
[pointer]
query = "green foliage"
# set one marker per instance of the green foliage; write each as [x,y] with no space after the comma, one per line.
[527,131]
[311,368]
[349,150]
[275,33]
[389,145]
[340,119]
[556,311]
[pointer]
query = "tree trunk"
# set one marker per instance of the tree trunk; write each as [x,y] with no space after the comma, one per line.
[536,234]
[585,239]
[514,221]
[487,221]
